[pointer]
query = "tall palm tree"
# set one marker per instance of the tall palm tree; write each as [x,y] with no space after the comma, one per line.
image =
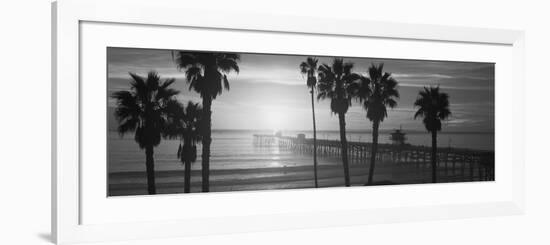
[377,92]
[185,127]
[336,83]
[206,73]
[309,68]
[145,110]
[433,107]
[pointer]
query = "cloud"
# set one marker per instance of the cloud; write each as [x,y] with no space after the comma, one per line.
[274,83]
[421,76]
[437,84]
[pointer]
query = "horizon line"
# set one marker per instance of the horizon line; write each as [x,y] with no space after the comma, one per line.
[349,131]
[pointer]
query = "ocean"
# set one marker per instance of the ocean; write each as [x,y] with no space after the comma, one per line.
[235,160]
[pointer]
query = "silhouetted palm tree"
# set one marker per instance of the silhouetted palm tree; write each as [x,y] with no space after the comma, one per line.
[377,92]
[433,107]
[185,127]
[145,109]
[206,73]
[309,68]
[335,83]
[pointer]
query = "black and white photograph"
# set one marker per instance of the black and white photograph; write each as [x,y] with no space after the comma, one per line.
[192,121]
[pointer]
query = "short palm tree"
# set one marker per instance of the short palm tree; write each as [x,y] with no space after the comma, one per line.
[206,73]
[185,127]
[309,68]
[433,107]
[145,110]
[335,83]
[377,92]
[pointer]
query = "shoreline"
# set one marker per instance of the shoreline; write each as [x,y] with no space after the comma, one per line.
[134,183]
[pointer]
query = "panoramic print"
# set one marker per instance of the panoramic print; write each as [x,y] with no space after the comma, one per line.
[184,121]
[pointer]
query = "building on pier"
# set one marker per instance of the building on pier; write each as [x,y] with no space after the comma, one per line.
[398,137]
[301,138]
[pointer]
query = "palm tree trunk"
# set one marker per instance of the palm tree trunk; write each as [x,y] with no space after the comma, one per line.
[150,168]
[375,126]
[344,145]
[314,139]
[187,181]
[186,155]
[206,140]
[434,156]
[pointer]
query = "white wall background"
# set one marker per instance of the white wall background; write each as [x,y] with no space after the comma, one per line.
[25,122]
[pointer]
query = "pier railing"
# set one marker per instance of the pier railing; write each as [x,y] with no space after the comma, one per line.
[454,164]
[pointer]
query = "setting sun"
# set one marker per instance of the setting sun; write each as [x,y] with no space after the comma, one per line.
[274,118]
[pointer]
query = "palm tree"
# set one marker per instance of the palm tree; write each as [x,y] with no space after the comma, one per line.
[335,83]
[206,73]
[377,92]
[186,128]
[146,109]
[433,106]
[309,68]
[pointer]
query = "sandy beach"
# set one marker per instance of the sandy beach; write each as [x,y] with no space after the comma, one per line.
[134,183]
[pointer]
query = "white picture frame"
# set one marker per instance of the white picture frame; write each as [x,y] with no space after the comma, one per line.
[67,198]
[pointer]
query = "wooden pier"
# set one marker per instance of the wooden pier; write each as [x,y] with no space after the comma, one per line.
[453,164]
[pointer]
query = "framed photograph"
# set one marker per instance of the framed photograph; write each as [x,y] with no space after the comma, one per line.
[172,125]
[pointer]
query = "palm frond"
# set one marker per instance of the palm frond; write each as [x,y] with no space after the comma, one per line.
[193,73]
[185,59]
[227,64]
[433,107]
[304,68]
[337,83]
[206,72]
[153,80]
[146,108]
[378,91]
[225,82]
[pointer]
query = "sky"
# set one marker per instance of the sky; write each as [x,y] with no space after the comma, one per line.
[270,93]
